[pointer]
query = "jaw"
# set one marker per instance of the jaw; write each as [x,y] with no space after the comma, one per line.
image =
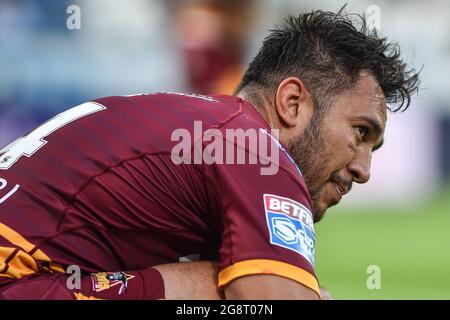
[318,215]
[324,200]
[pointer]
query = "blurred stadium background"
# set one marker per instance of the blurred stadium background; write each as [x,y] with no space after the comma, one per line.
[399,222]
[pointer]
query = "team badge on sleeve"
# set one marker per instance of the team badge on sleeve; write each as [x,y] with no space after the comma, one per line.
[106,280]
[290,225]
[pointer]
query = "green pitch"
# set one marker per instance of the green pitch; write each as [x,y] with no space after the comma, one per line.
[411,247]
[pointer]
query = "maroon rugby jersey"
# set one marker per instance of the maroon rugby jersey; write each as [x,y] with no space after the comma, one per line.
[97,186]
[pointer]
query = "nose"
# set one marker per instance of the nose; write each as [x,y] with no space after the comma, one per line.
[359,167]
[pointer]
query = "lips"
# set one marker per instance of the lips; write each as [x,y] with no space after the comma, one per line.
[340,191]
[343,190]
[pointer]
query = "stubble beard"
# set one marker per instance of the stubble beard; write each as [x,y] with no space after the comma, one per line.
[309,152]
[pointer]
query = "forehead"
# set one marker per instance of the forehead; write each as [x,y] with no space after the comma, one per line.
[364,99]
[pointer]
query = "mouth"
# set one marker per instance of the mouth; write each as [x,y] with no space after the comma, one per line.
[340,191]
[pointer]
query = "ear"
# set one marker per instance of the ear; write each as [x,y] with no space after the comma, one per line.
[293,102]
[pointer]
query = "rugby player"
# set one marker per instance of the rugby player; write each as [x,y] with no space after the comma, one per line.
[94,204]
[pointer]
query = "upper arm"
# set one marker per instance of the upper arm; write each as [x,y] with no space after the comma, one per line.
[267,287]
[268,233]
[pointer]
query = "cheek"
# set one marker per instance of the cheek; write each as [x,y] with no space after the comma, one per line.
[341,135]
[343,141]
[341,147]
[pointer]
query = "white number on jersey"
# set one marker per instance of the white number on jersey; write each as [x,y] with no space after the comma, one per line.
[32,142]
[3,184]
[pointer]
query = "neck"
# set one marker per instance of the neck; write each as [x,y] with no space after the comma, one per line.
[261,103]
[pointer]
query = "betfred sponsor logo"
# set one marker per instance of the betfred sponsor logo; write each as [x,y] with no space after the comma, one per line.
[290,225]
[290,208]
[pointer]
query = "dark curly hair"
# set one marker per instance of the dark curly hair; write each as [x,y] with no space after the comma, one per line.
[328,52]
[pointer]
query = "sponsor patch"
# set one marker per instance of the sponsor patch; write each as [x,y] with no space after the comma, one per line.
[106,280]
[290,225]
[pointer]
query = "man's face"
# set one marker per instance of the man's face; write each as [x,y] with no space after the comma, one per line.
[336,148]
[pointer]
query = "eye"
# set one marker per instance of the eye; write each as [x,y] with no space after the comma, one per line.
[362,131]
